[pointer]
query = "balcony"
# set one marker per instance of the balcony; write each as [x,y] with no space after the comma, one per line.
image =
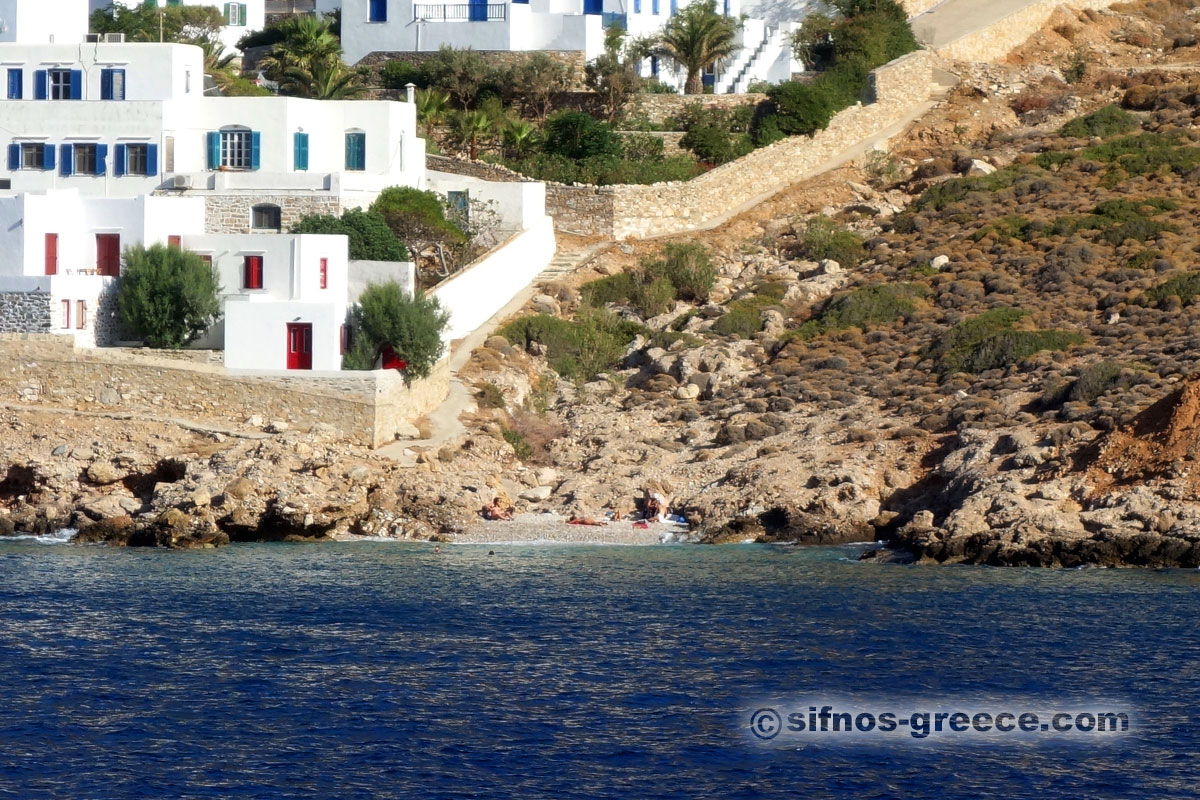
[460,12]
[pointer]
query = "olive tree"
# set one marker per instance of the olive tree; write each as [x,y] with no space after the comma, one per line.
[168,297]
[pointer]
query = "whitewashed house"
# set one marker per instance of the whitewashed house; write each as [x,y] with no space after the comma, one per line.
[240,17]
[124,119]
[284,297]
[405,26]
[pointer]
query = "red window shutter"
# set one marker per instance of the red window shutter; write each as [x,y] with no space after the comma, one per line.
[253,272]
[175,241]
[342,338]
[206,260]
[324,273]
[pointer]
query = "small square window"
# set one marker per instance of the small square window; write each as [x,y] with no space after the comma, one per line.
[137,160]
[60,84]
[266,217]
[32,156]
[80,314]
[66,313]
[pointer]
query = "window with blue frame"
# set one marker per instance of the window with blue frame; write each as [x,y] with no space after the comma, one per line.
[377,11]
[30,155]
[234,148]
[356,151]
[84,158]
[112,84]
[58,84]
[138,158]
[16,83]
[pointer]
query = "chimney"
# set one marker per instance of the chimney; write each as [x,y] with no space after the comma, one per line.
[410,90]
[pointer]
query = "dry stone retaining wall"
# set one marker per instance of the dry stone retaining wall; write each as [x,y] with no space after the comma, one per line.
[367,407]
[24,312]
[231,213]
[661,107]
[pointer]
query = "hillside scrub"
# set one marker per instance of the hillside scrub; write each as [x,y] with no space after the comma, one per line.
[825,239]
[864,308]
[1104,122]
[578,350]
[685,272]
[989,341]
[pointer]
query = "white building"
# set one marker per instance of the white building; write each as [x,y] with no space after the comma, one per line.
[402,26]
[240,18]
[41,22]
[120,120]
[284,297]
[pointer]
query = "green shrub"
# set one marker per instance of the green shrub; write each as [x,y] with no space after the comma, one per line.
[800,108]
[690,269]
[989,341]
[609,289]
[864,308]
[370,237]
[823,238]
[578,350]
[1013,227]
[653,296]
[715,146]
[954,191]
[744,317]
[1131,156]
[1119,220]
[1143,259]
[605,170]
[521,448]
[1094,381]
[1185,287]
[397,74]
[168,297]
[643,147]
[575,135]
[411,324]
[1104,122]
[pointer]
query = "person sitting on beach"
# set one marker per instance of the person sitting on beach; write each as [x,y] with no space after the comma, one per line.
[494,510]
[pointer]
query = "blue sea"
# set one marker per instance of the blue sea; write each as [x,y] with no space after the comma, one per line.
[386,670]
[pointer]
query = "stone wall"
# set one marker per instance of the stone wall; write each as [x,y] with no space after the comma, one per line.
[659,108]
[230,213]
[24,312]
[367,407]
[666,208]
[575,59]
[998,40]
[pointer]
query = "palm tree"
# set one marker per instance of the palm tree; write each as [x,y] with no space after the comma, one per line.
[324,80]
[432,105]
[471,128]
[519,138]
[218,63]
[696,37]
[307,41]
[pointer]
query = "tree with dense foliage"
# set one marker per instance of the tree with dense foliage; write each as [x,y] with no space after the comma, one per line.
[431,109]
[613,75]
[143,23]
[411,325]
[696,37]
[419,219]
[575,135]
[167,297]
[462,73]
[370,237]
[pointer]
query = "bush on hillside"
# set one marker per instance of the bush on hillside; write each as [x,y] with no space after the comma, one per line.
[1104,122]
[418,218]
[685,272]
[168,297]
[989,341]
[823,238]
[1185,287]
[578,350]
[575,135]
[864,308]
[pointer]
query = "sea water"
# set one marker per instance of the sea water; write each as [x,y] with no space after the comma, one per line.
[386,670]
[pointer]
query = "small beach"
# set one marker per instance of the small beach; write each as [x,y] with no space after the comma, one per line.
[534,528]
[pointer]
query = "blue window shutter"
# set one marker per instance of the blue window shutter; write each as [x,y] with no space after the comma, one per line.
[349,151]
[41,84]
[214,149]
[76,84]
[151,159]
[106,84]
[637,6]
[66,156]
[48,156]
[241,13]
[121,73]
[255,149]
[101,159]
[300,151]
[229,13]
[16,84]
[120,159]
[378,11]
[14,156]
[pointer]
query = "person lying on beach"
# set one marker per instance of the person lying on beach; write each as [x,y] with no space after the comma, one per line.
[585,521]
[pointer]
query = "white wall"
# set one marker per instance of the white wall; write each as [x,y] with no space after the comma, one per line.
[474,296]
[364,273]
[152,71]
[265,324]
[395,155]
[518,205]
[44,21]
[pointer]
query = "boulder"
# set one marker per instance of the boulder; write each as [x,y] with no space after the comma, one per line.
[545,304]
[830,267]
[103,473]
[939,261]
[537,494]
[979,167]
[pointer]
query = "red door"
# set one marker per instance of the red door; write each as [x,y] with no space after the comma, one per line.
[299,345]
[51,253]
[108,254]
